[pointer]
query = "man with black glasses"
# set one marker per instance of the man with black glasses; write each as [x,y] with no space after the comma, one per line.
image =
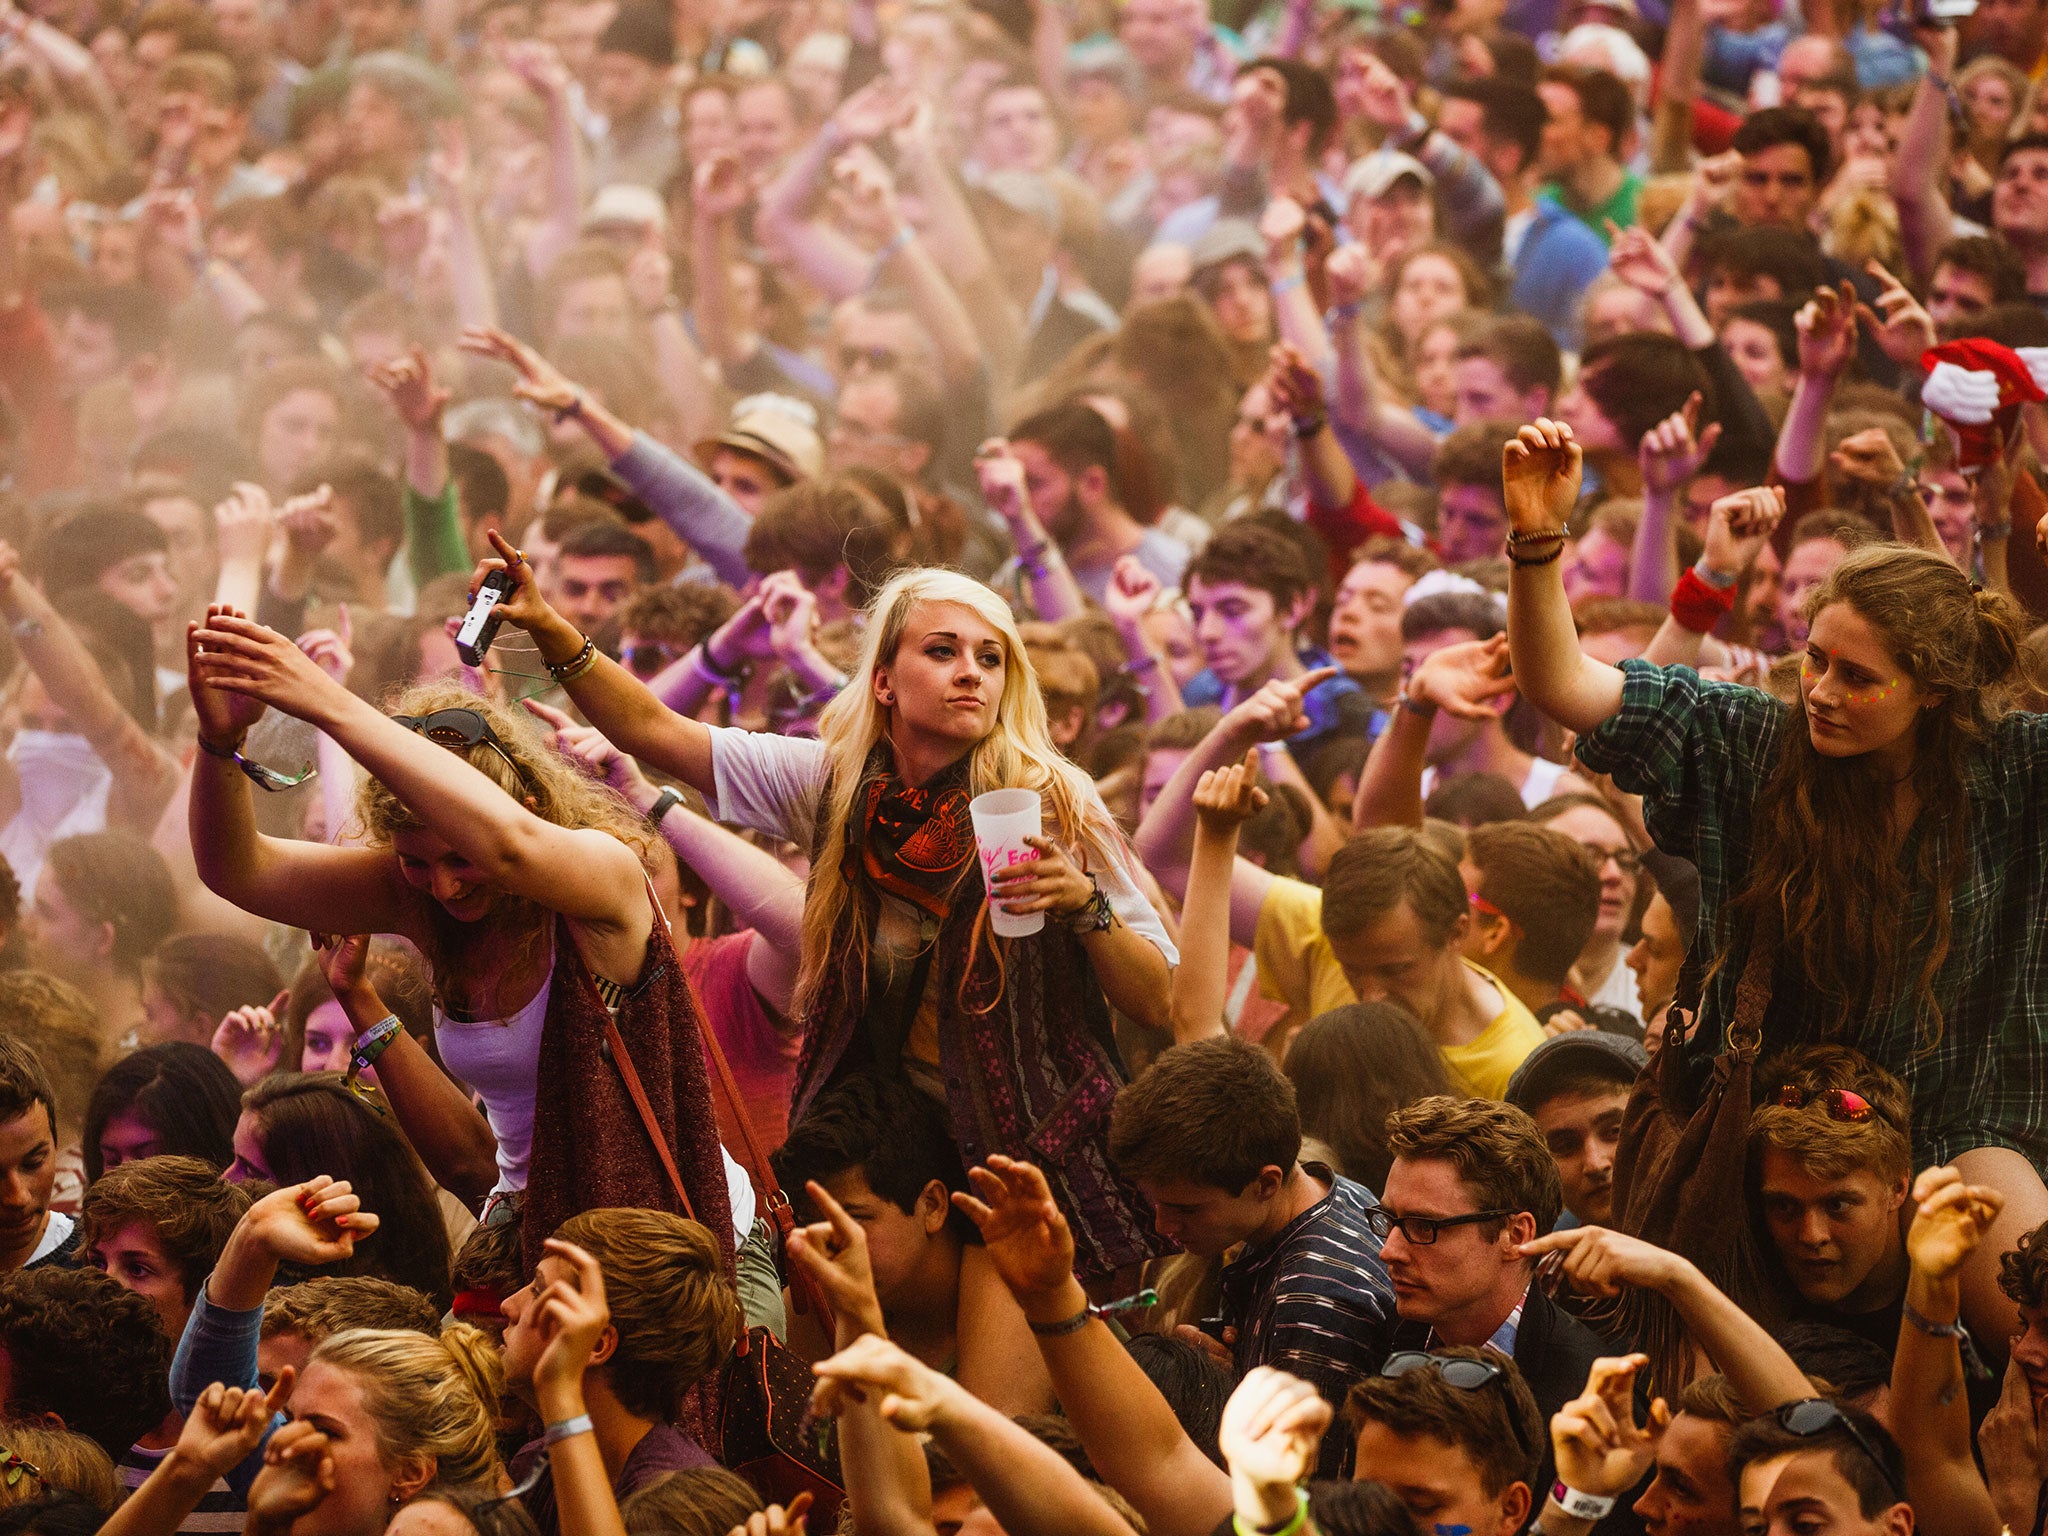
[1471,1182]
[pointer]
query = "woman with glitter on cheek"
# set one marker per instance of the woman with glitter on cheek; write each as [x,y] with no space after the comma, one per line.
[1871,850]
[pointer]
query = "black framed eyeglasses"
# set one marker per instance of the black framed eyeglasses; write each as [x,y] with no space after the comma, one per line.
[1817,1415]
[1423,1230]
[459,730]
[1456,1371]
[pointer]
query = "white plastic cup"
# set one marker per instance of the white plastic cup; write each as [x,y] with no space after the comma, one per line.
[1003,818]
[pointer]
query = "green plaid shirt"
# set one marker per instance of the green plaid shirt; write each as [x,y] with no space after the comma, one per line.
[1698,752]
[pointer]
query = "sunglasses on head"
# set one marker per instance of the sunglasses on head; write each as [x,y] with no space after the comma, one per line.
[1816,1416]
[1840,1103]
[1455,1371]
[459,730]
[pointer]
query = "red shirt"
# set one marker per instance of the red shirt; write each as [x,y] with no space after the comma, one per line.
[760,1048]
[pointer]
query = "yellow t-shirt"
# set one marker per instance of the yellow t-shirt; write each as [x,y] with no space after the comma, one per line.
[1298,968]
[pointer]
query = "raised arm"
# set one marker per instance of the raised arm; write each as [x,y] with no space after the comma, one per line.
[1540,472]
[1669,456]
[784,218]
[438,1116]
[1827,341]
[718,191]
[1224,800]
[1165,839]
[1602,1263]
[761,891]
[476,294]
[434,540]
[1133,593]
[1359,399]
[548,77]
[1295,316]
[1930,1412]
[1029,1488]
[1678,87]
[609,697]
[1738,527]
[1713,180]
[583,873]
[1041,564]
[145,775]
[1924,218]
[954,238]
[1469,681]
[1870,460]
[1127,1428]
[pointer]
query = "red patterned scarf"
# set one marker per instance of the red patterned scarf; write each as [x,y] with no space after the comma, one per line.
[916,843]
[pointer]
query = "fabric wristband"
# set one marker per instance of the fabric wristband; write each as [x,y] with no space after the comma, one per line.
[374,1041]
[568,1429]
[1298,1520]
[1580,1506]
[1697,606]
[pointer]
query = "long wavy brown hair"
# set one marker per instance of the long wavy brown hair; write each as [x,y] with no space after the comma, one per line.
[1825,881]
[545,783]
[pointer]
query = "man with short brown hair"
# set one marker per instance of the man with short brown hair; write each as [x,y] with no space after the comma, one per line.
[1832,1149]
[1471,1182]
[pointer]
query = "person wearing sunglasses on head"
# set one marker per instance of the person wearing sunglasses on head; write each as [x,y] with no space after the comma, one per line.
[1830,1145]
[522,884]
[1473,1181]
[897,964]
[1820,1465]
[1456,1434]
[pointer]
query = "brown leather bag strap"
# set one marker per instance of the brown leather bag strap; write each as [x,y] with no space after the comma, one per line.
[757,1164]
[631,1076]
[1745,1035]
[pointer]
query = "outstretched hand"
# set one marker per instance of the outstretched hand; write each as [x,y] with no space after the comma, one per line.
[1672,452]
[1739,525]
[1540,469]
[912,1394]
[250,1040]
[1022,1230]
[1272,1429]
[1950,1219]
[227,1423]
[236,655]
[1469,680]
[1600,1448]
[1277,710]
[1226,798]
[1602,1262]
[834,1253]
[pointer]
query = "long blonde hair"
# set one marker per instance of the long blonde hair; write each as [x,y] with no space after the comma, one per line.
[428,1397]
[545,784]
[1016,754]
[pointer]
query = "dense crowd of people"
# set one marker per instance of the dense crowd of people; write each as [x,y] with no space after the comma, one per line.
[1068,767]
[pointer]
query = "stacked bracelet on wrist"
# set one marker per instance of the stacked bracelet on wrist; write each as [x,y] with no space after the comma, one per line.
[1518,537]
[584,659]
[372,1043]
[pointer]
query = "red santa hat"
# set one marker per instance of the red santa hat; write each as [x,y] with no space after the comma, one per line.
[1977,388]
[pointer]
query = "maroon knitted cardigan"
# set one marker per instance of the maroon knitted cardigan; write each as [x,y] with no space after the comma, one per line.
[590,1148]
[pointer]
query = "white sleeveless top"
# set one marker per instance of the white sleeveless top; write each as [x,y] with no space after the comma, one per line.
[499,1060]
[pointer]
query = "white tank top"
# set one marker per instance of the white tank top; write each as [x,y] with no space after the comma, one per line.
[500,1060]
